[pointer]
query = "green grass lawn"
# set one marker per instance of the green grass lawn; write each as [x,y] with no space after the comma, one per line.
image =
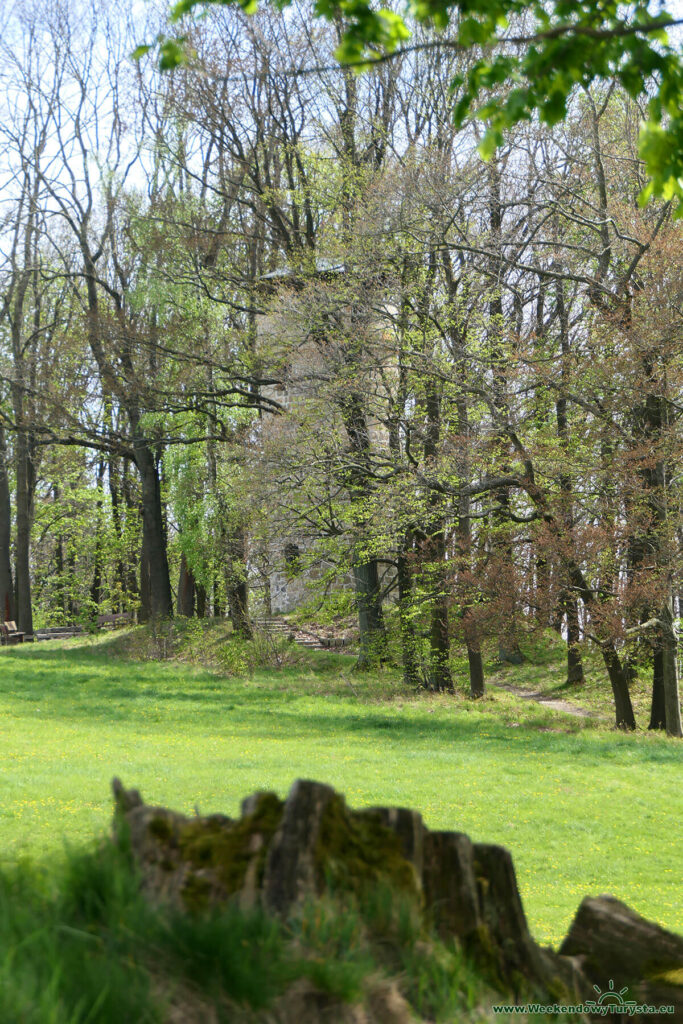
[583,809]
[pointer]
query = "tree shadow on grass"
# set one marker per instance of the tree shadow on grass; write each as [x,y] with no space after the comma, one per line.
[89,688]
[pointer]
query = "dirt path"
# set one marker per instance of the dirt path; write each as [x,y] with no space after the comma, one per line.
[557,704]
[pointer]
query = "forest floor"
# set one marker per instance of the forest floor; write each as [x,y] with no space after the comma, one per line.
[583,808]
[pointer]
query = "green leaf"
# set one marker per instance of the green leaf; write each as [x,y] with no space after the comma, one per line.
[398,30]
[490,143]
[181,8]
[473,32]
[462,107]
[171,54]
[646,194]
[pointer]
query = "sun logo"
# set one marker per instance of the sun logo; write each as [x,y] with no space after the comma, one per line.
[610,997]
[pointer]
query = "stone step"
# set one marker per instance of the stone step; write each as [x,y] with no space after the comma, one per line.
[278,627]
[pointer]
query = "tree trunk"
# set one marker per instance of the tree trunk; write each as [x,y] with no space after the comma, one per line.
[217,605]
[267,596]
[409,653]
[59,564]
[476,666]
[132,588]
[672,702]
[618,677]
[23,270]
[186,589]
[24,512]
[373,638]
[73,607]
[6,587]
[651,422]
[237,587]
[145,610]
[541,591]
[96,588]
[657,706]
[160,602]
[238,609]
[508,644]
[574,662]
[439,636]
[464,541]
[201,601]
[116,514]
[439,645]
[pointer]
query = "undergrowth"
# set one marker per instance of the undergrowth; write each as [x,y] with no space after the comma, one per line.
[208,643]
[81,944]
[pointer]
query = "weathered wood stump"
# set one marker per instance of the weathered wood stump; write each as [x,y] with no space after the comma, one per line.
[618,948]
[291,868]
[279,854]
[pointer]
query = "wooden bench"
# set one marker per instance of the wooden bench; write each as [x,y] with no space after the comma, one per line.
[57,632]
[114,620]
[9,634]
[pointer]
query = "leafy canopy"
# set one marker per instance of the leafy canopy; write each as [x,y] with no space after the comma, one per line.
[563,43]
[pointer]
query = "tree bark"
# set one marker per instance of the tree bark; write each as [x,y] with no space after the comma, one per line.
[476,667]
[575,673]
[201,601]
[186,589]
[59,562]
[657,705]
[435,547]
[651,420]
[439,635]
[154,541]
[409,653]
[96,591]
[238,609]
[132,587]
[145,610]
[7,613]
[237,587]
[116,515]
[464,536]
[373,638]
[508,643]
[672,702]
[24,514]
[618,677]
[217,605]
